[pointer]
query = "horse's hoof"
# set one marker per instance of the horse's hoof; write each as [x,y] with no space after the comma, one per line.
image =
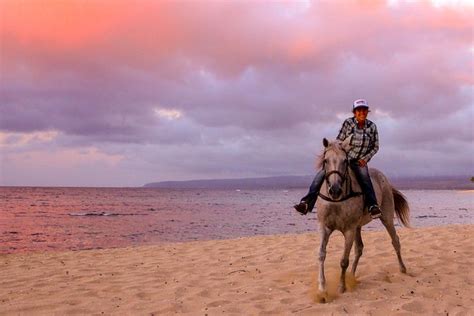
[341,289]
[322,297]
[403,270]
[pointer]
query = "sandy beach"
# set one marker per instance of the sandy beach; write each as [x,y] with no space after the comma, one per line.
[264,275]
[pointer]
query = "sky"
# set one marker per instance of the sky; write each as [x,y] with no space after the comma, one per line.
[123,93]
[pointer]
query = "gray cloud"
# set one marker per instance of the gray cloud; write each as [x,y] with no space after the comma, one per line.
[256,97]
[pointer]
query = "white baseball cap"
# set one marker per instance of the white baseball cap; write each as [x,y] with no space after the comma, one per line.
[360,103]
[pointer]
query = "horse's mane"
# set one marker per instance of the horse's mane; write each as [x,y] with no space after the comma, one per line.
[320,160]
[335,145]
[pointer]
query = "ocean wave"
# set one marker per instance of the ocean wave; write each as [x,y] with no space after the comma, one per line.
[105,214]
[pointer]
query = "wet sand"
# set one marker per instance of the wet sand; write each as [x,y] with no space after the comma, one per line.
[254,275]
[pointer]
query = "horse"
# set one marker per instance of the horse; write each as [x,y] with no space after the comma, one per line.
[341,207]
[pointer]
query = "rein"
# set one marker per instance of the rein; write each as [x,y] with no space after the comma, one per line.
[349,195]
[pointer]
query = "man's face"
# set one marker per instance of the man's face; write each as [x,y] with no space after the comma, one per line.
[361,114]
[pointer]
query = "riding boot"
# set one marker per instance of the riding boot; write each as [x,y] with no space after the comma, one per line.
[309,200]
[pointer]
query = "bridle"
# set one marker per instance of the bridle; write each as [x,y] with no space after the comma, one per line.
[343,176]
[349,192]
[335,171]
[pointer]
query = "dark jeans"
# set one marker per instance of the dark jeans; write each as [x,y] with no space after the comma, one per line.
[362,175]
[314,188]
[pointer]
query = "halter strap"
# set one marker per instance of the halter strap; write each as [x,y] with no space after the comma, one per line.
[343,176]
[349,195]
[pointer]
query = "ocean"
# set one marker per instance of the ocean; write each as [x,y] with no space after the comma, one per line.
[36,219]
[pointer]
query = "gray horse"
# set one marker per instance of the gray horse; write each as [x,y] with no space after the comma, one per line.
[344,210]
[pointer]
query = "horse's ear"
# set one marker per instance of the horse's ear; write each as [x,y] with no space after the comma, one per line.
[346,144]
[325,142]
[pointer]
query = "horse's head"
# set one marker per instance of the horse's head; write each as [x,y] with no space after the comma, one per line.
[335,164]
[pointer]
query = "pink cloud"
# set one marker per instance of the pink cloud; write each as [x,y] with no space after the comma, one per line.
[226,37]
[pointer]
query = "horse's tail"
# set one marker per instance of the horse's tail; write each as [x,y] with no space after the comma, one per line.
[401,207]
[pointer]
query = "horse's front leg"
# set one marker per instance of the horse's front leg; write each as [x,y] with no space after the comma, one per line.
[325,233]
[349,236]
[359,247]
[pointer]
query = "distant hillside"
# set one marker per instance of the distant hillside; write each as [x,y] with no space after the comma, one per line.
[246,183]
[288,182]
[433,183]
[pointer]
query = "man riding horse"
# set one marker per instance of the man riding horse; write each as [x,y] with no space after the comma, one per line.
[365,144]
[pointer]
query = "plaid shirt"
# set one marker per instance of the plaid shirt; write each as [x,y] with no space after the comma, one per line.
[365,141]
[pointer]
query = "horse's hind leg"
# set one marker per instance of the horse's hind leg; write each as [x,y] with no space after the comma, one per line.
[395,242]
[325,233]
[349,236]
[358,247]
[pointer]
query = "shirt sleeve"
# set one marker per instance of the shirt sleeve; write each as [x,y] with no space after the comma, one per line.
[375,145]
[343,131]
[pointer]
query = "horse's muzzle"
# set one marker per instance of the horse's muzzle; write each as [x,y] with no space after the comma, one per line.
[335,191]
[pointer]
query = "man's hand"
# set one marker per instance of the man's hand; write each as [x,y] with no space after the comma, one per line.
[362,163]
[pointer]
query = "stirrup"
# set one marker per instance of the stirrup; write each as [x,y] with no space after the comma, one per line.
[375,212]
